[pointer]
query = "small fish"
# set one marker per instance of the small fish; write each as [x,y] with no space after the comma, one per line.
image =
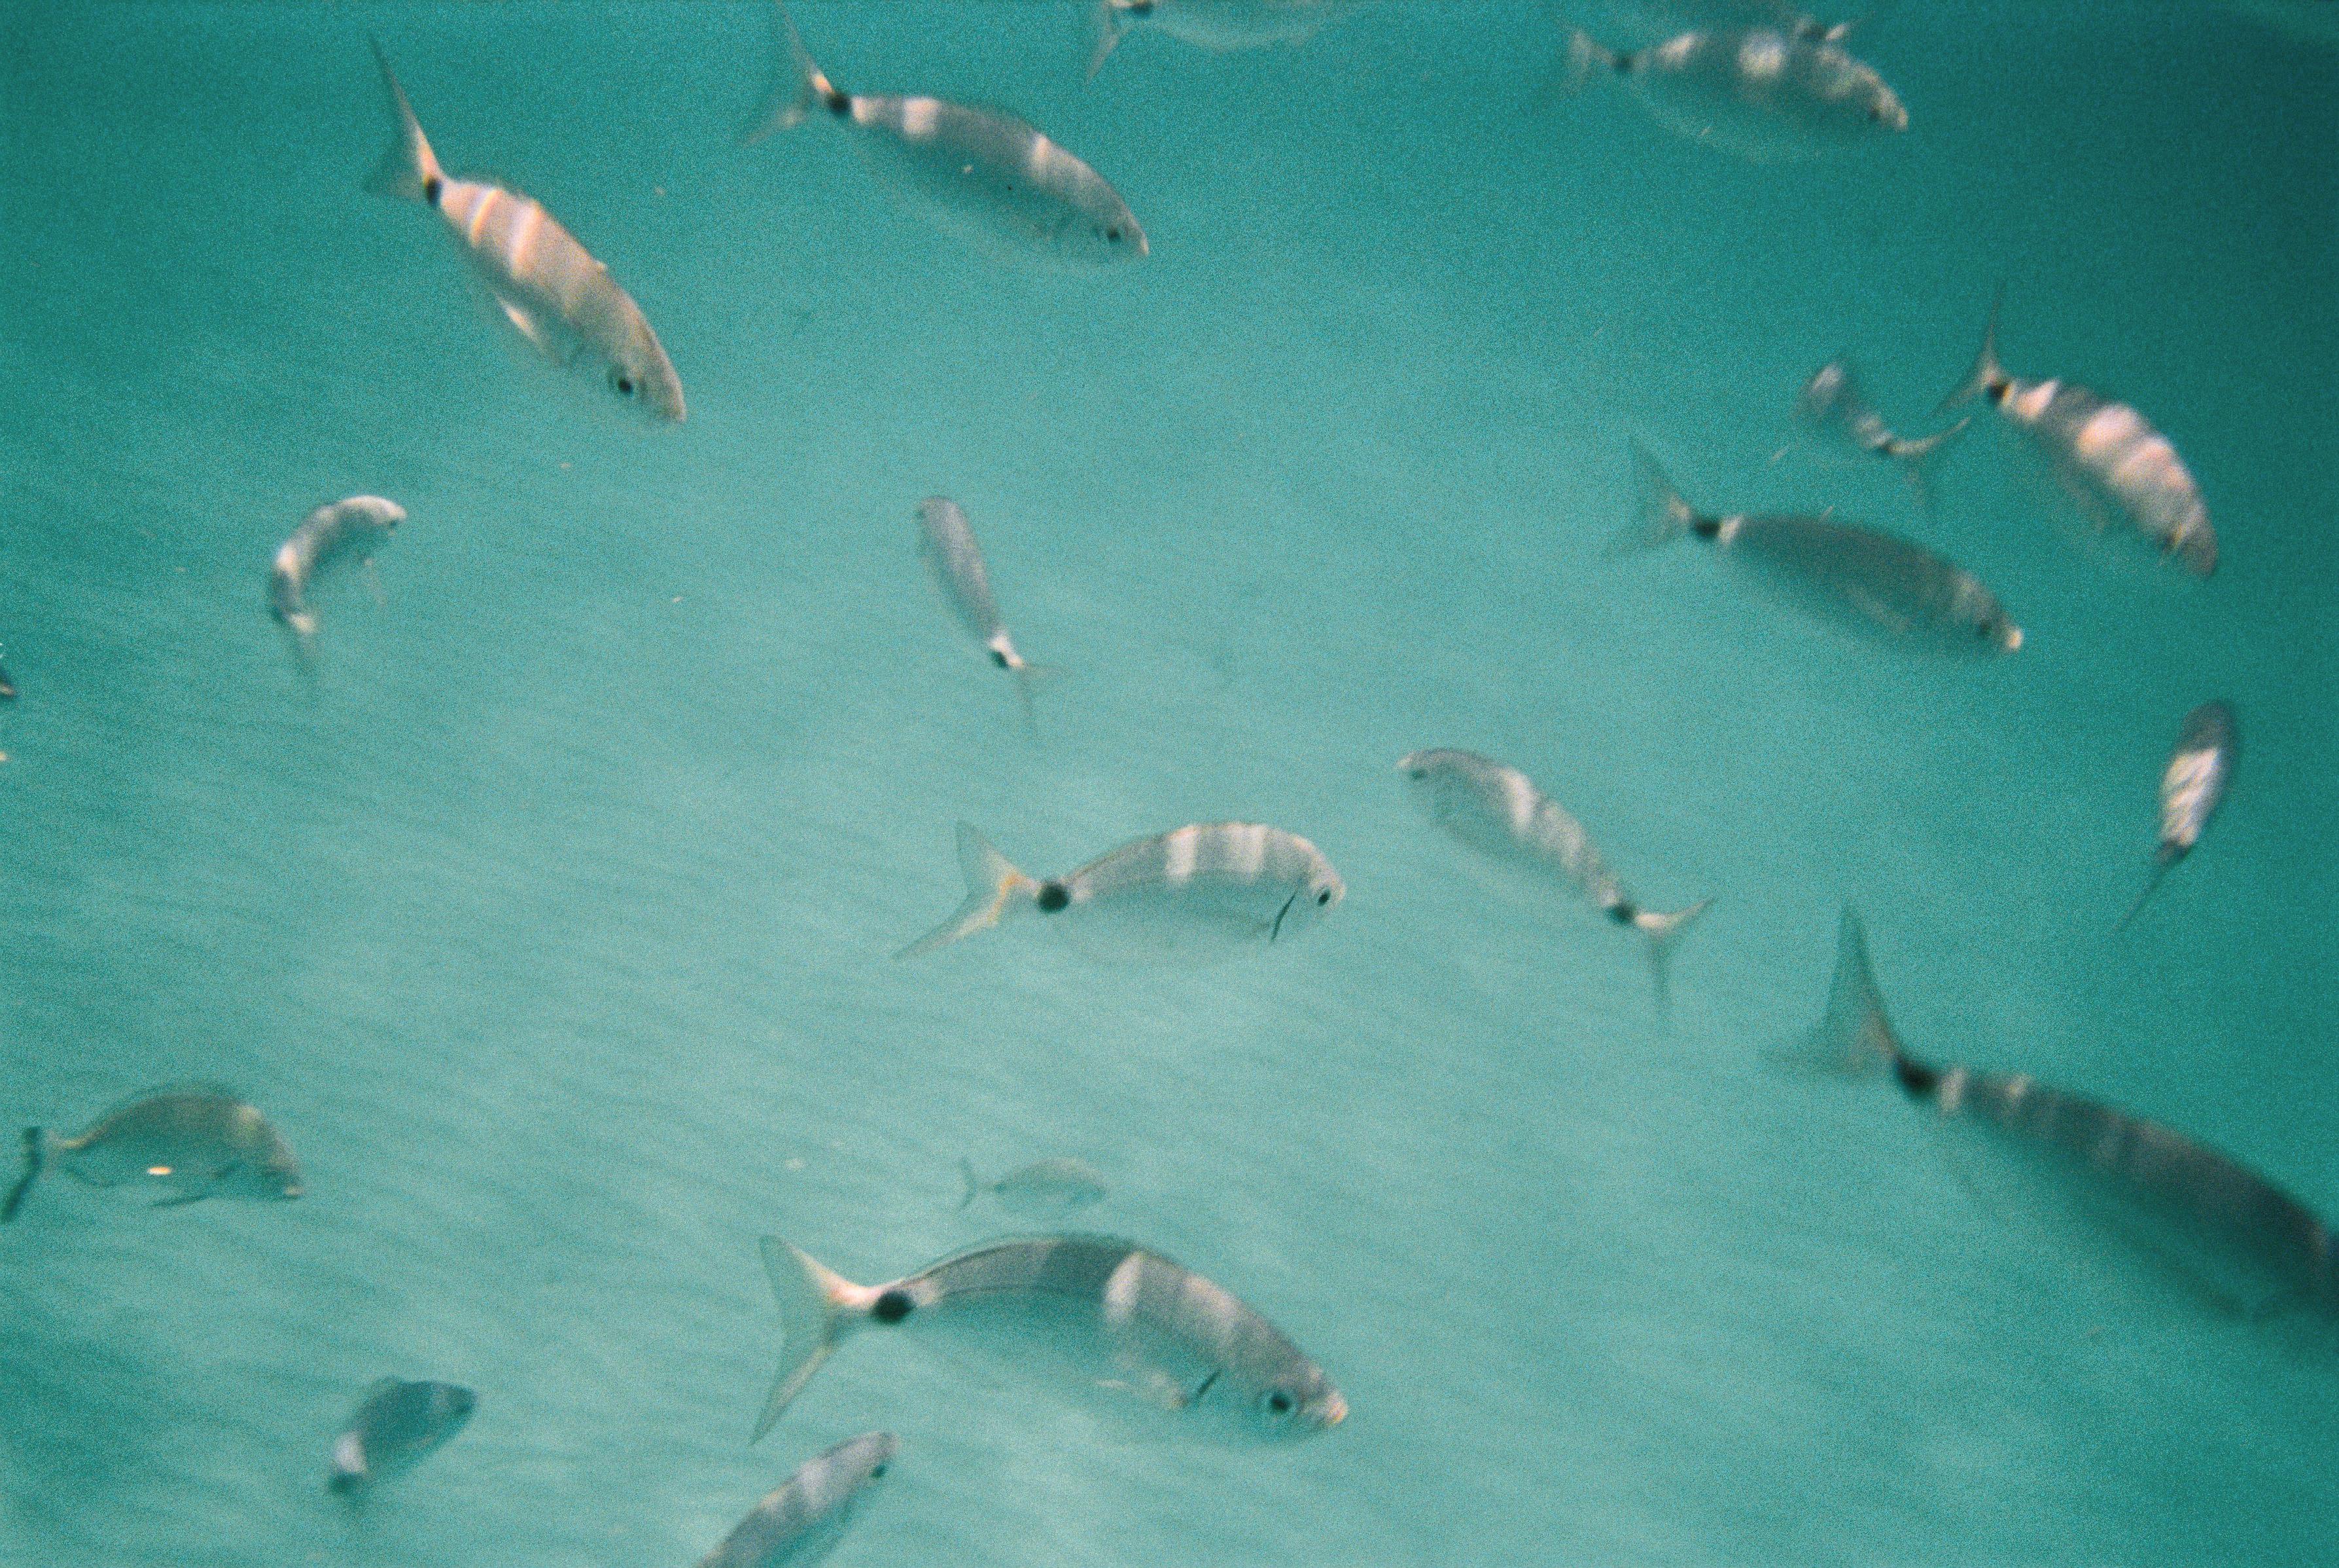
[802,1521]
[355,527]
[1498,812]
[1193,893]
[2115,465]
[954,562]
[1667,17]
[1832,401]
[2247,1244]
[551,290]
[1764,93]
[1218,26]
[1129,1318]
[1861,577]
[2192,787]
[191,1141]
[7,688]
[1043,1187]
[395,1426]
[980,173]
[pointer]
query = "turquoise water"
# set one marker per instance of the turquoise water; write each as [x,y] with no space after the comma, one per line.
[549,913]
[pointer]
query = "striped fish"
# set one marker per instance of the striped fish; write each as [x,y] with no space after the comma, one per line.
[802,1521]
[188,1141]
[1128,1319]
[2192,787]
[1193,894]
[7,688]
[1832,401]
[548,287]
[2116,466]
[355,527]
[946,544]
[1218,26]
[395,1426]
[1765,94]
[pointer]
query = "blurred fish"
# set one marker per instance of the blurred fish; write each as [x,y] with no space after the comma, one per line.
[1764,93]
[982,174]
[2192,787]
[954,562]
[1129,1319]
[1191,894]
[1860,577]
[395,1426]
[1043,1187]
[192,1141]
[1665,18]
[2247,1244]
[2114,464]
[1498,812]
[7,688]
[1218,26]
[802,1523]
[1832,401]
[557,296]
[355,527]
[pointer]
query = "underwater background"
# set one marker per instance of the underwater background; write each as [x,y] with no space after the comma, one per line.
[549,913]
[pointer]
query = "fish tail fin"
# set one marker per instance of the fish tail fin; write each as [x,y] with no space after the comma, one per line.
[1664,933]
[1918,456]
[1987,371]
[811,1298]
[407,168]
[1660,515]
[1853,1035]
[36,1156]
[973,1185]
[994,888]
[1106,34]
[1586,58]
[1028,680]
[2160,865]
[798,83]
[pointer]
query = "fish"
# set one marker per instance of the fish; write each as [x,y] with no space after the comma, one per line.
[2235,1237]
[1133,1321]
[1860,577]
[1043,1185]
[1497,811]
[2114,464]
[551,290]
[397,1426]
[2192,787]
[946,544]
[1764,93]
[356,526]
[7,688]
[1220,26]
[1194,894]
[802,1521]
[1667,19]
[191,1141]
[1832,401]
[983,175]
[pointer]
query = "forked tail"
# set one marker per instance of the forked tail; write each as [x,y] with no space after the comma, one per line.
[797,84]
[973,1184]
[1663,932]
[1106,30]
[1917,455]
[407,170]
[1585,60]
[1987,374]
[36,1150]
[1660,515]
[1854,1035]
[994,889]
[2160,864]
[812,1301]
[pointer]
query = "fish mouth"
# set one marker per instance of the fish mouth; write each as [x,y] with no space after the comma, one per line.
[2012,639]
[1335,1410]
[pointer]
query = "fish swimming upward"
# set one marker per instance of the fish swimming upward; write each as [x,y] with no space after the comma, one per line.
[552,292]
[1218,26]
[981,174]
[1832,401]
[189,1142]
[1191,895]
[2192,787]
[1498,812]
[1858,577]
[1766,94]
[1042,1187]
[395,1426]
[355,527]
[802,1521]
[946,544]
[1125,1318]
[2244,1242]
[2113,463]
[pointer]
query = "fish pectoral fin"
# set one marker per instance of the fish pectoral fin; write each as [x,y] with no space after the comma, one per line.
[1275,927]
[181,1201]
[531,327]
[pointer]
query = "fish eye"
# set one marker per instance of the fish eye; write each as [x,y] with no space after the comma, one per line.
[1417,773]
[877,1470]
[1113,234]
[1277,1401]
[623,382]
[1323,896]
[999,658]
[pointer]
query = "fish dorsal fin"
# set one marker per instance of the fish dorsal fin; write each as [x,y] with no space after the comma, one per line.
[204,1088]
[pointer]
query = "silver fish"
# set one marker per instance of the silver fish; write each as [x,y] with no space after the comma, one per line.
[1129,1318]
[2192,787]
[946,544]
[1861,577]
[1832,401]
[355,527]
[2115,465]
[982,174]
[191,1141]
[395,1426]
[1761,93]
[802,1521]
[7,688]
[1191,894]
[551,290]
[1218,26]
[1498,812]
[1043,1187]
[2242,1241]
